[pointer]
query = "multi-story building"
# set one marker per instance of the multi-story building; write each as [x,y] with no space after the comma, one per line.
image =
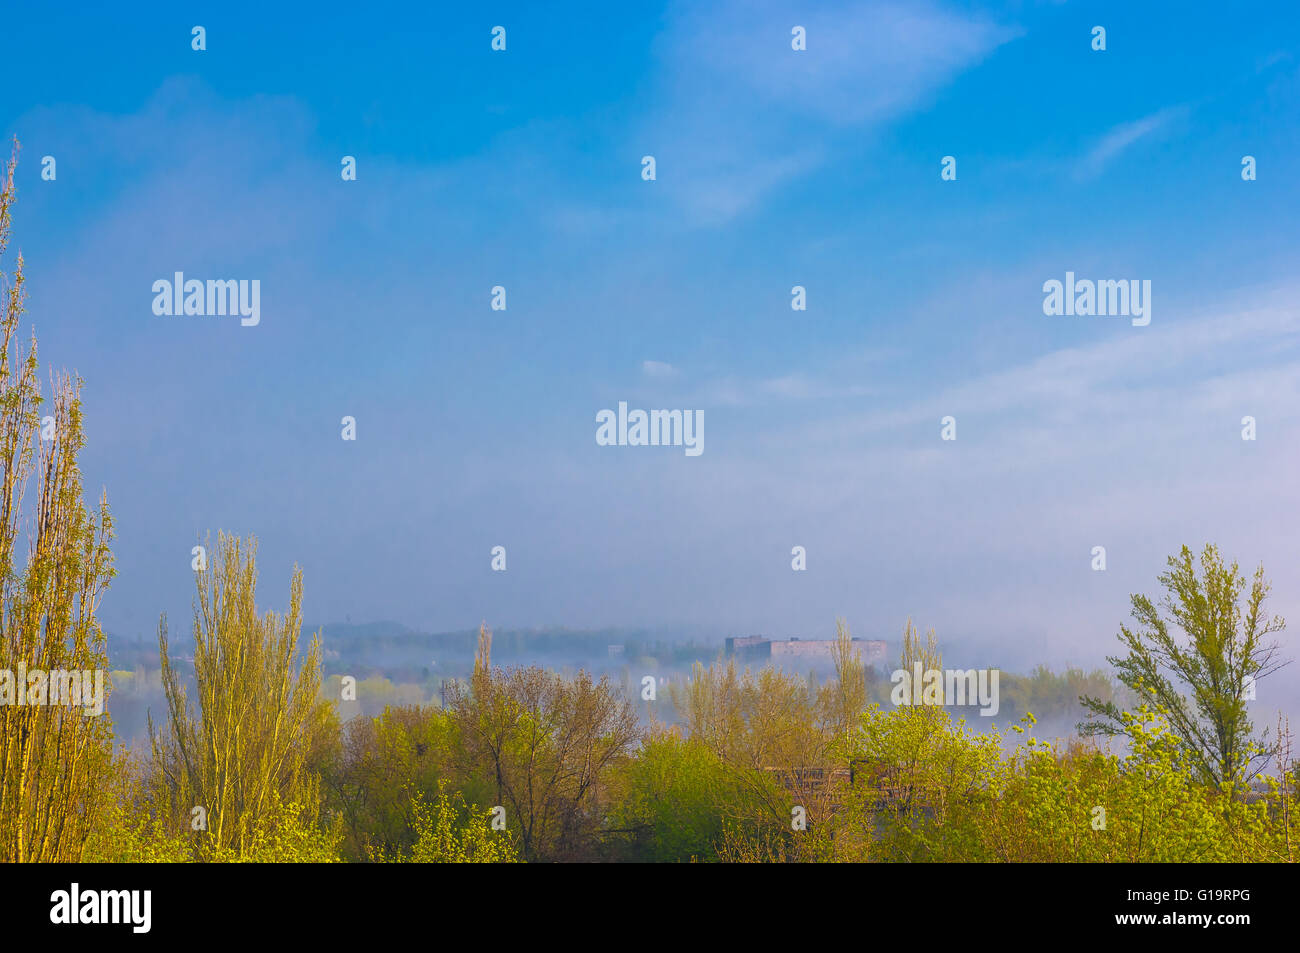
[760,648]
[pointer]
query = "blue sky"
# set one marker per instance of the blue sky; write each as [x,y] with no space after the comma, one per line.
[774,168]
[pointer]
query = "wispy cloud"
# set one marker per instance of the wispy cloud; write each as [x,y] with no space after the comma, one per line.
[742,113]
[658,369]
[1238,358]
[863,62]
[1120,138]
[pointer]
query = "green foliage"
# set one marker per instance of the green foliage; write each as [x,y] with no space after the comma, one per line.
[672,802]
[1053,695]
[448,831]
[915,772]
[945,794]
[128,830]
[1192,657]
[261,727]
[547,744]
[55,759]
[285,833]
[381,761]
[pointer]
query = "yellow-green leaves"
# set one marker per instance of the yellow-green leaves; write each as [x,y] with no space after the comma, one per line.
[226,770]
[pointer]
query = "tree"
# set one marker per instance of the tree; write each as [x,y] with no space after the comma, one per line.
[673,800]
[55,756]
[449,831]
[928,655]
[1201,639]
[785,741]
[547,744]
[383,765]
[245,757]
[849,689]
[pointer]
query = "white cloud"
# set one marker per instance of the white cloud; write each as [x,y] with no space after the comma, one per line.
[742,114]
[1121,137]
[658,369]
[864,62]
[1174,364]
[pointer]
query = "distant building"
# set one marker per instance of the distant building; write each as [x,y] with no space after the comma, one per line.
[760,648]
[616,651]
[748,645]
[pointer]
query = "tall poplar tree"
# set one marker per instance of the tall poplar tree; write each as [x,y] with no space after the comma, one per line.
[55,758]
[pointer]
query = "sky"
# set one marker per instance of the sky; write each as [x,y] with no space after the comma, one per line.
[774,167]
